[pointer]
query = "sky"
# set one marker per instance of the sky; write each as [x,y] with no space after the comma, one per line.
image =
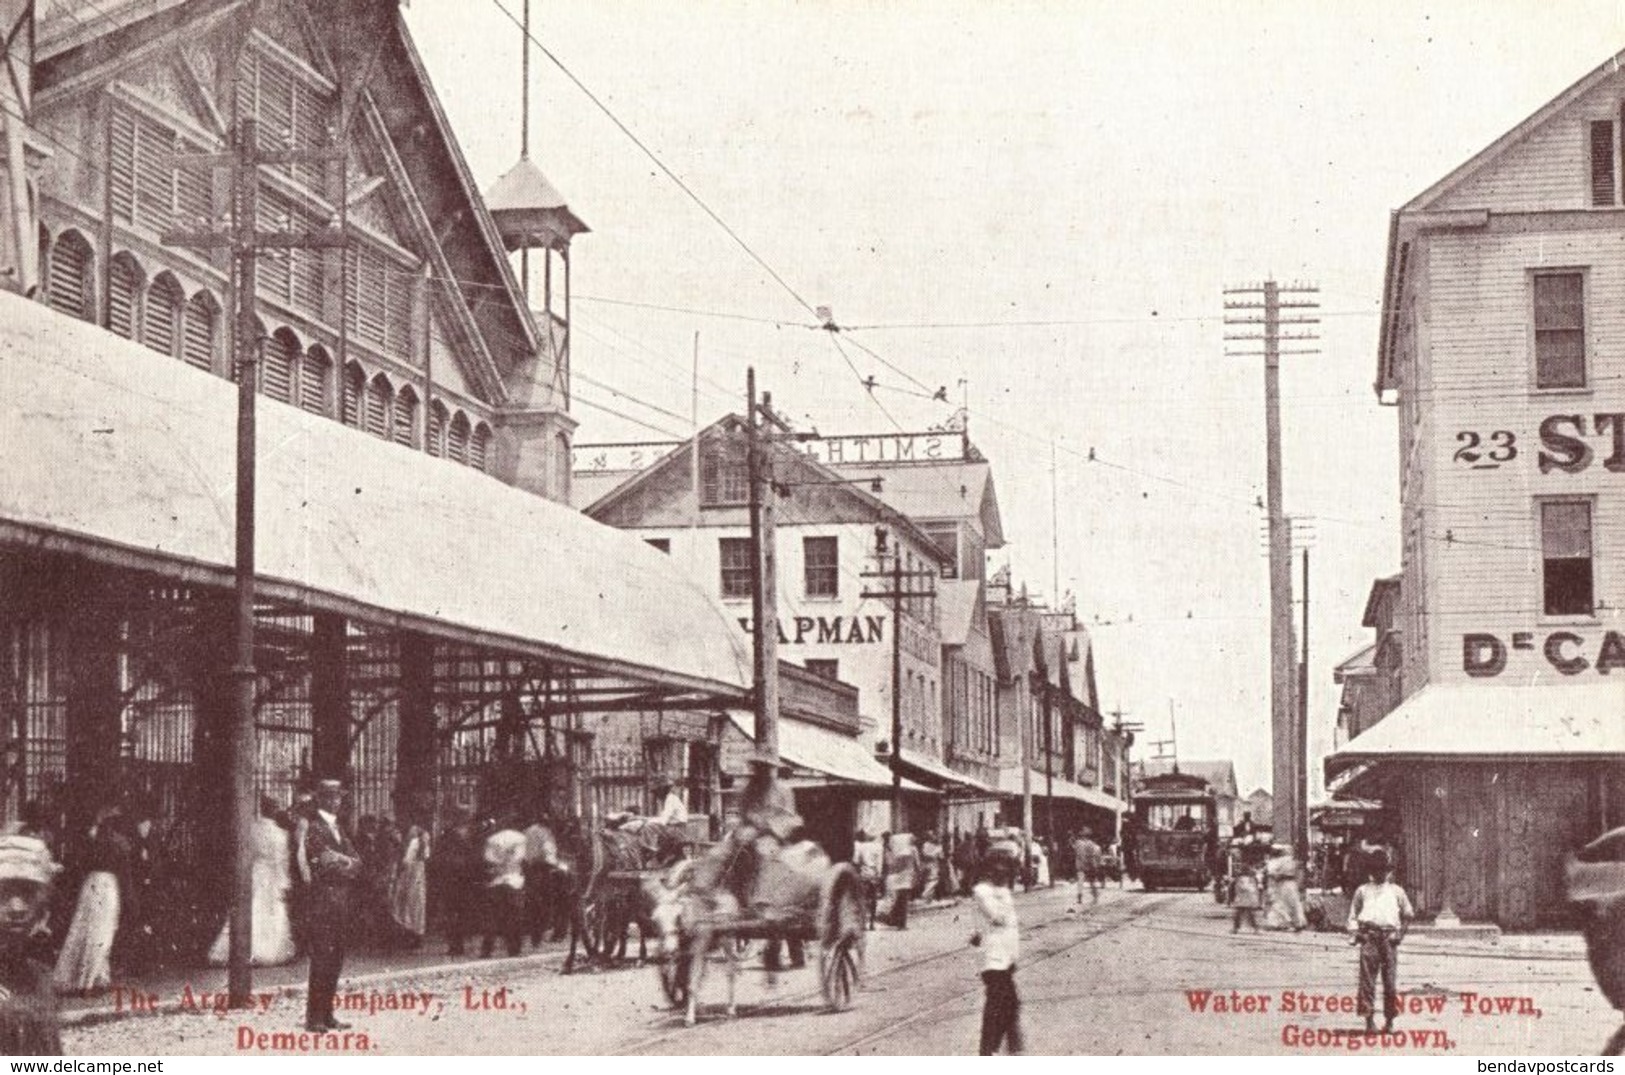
[1036,206]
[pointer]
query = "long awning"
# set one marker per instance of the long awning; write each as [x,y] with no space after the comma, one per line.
[1010,784]
[1468,722]
[836,756]
[936,774]
[113,452]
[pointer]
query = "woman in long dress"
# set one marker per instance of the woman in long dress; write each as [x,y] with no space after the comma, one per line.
[84,964]
[271,935]
[408,892]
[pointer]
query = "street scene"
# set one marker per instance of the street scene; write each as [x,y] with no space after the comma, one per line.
[1135,963]
[804,528]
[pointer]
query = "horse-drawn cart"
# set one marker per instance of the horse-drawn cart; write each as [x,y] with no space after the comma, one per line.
[801,899]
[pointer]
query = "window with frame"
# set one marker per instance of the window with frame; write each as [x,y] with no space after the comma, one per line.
[946,538]
[1560,360]
[821,566]
[1566,560]
[1602,162]
[824,668]
[736,572]
[723,481]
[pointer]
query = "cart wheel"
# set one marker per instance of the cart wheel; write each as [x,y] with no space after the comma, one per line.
[594,914]
[674,971]
[839,974]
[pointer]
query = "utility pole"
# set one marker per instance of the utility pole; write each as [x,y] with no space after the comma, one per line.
[1258,313]
[1300,834]
[1049,764]
[764,583]
[244,160]
[896,594]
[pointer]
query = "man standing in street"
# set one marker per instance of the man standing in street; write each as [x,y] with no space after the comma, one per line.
[1000,941]
[1087,855]
[504,857]
[328,865]
[1377,917]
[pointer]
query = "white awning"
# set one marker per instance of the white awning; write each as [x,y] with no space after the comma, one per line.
[932,767]
[1465,721]
[111,451]
[1010,784]
[807,746]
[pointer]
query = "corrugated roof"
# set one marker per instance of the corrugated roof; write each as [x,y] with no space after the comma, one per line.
[946,490]
[808,746]
[111,449]
[1462,720]
[1010,784]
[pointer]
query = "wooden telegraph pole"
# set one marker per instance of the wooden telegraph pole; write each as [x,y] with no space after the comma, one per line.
[245,241]
[901,589]
[1260,308]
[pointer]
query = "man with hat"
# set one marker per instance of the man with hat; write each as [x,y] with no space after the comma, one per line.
[1377,918]
[28,1012]
[328,864]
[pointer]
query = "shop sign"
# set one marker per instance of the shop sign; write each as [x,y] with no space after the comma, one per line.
[1571,653]
[826,630]
[886,448]
[1565,444]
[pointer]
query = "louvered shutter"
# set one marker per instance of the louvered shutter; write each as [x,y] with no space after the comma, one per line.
[406,416]
[197,348]
[350,405]
[368,296]
[307,282]
[313,382]
[457,440]
[121,282]
[154,175]
[477,446]
[378,407]
[121,165]
[274,271]
[163,315]
[277,368]
[436,433]
[310,119]
[70,261]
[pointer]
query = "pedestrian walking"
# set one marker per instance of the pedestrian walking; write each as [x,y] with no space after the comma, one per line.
[329,865]
[409,889]
[84,964]
[1285,897]
[867,856]
[930,866]
[1000,939]
[1245,899]
[1377,918]
[1087,855]
[902,866]
[458,880]
[504,857]
[29,1024]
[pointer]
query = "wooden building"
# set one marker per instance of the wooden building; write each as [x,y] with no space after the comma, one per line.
[1502,348]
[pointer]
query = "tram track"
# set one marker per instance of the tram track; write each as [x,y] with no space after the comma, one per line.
[1095,925]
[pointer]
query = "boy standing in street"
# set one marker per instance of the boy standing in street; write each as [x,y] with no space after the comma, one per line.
[1087,855]
[1000,940]
[1377,917]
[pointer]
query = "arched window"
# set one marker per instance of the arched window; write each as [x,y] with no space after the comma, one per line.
[380,402]
[279,363]
[124,283]
[161,327]
[200,335]
[69,286]
[479,445]
[314,380]
[406,417]
[457,439]
[439,419]
[355,383]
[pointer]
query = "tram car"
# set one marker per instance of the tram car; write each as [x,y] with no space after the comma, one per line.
[1175,832]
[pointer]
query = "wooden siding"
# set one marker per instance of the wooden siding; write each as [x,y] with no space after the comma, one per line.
[1479,541]
[1549,169]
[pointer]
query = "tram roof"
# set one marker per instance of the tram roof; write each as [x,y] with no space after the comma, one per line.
[115,452]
